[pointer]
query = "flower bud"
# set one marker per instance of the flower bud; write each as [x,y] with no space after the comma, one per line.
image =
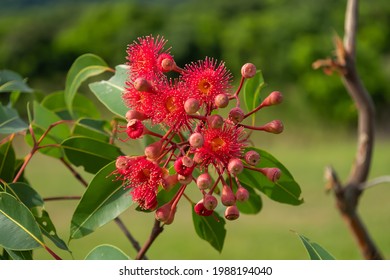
[170,181]
[248,70]
[273,98]
[198,158]
[121,164]
[133,114]
[236,115]
[215,121]
[235,166]
[165,62]
[275,126]
[227,197]
[191,106]
[165,213]
[242,194]
[134,129]
[184,166]
[142,84]
[232,213]
[153,151]
[252,158]
[273,173]
[221,100]
[196,140]
[201,210]
[184,180]
[210,202]
[204,181]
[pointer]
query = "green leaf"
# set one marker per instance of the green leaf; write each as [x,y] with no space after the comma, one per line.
[252,89]
[89,153]
[104,200]
[106,252]
[84,67]
[315,251]
[210,228]
[29,197]
[285,190]
[253,205]
[7,161]
[12,81]
[43,119]
[19,230]
[91,128]
[110,92]
[82,106]
[20,255]
[10,122]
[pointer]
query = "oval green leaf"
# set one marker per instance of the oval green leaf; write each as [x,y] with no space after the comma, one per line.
[84,67]
[285,190]
[104,200]
[253,205]
[19,255]
[252,89]
[210,228]
[12,81]
[314,250]
[106,252]
[19,230]
[7,161]
[91,128]
[110,92]
[89,153]
[10,122]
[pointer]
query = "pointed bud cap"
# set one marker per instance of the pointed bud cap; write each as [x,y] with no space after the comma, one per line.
[273,173]
[142,84]
[242,194]
[121,164]
[248,70]
[273,98]
[165,62]
[232,213]
[215,121]
[275,126]
[153,151]
[133,114]
[196,140]
[210,202]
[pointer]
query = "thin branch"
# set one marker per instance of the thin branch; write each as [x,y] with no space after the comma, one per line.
[374,182]
[156,230]
[56,198]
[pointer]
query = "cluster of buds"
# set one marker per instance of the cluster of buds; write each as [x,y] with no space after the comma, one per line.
[197,138]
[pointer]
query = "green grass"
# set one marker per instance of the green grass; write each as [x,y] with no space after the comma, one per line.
[267,235]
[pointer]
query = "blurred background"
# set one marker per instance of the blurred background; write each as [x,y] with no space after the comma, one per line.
[41,38]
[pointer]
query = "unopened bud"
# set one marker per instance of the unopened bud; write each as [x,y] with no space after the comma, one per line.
[198,158]
[232,213]
[273,98]
[242,194]
[248,70]
[153,151]
[121,164]
[235,166]
[204,181]
[273,173]
[184,180]
[215,121]
[227,197]
[275,126]
[191,106]
[201,210]
[252,158]
[142,84]
[236,115]
[210,202]
[196,140]
[135,128]
[165,62]
[165,213]
[133,114]
[170,181]
[221,100]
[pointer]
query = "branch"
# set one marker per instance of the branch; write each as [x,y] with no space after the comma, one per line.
[156,230]
[347,196]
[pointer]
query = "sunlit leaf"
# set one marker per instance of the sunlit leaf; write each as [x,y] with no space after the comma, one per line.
[210,228]
[314,250]
[106,252]
[19,230]
[10,122]
[84,67]
[89,153]
[110,92]
[104,200]
[285,190]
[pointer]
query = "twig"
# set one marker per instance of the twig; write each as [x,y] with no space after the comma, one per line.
[156,230]
[374,182]
[347,196]
[55,198]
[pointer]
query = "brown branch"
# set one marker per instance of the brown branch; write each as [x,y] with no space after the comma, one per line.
[156,230]
[347,196]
